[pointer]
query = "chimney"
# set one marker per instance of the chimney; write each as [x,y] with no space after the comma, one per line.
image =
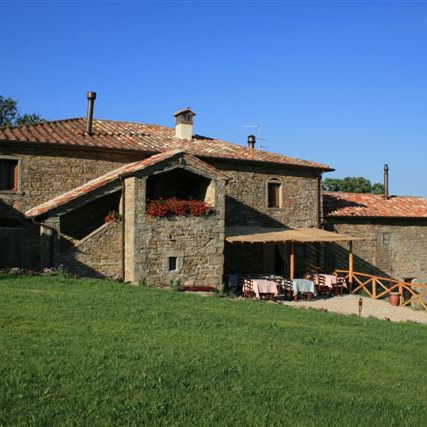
[251,141]
[91,96]
[184,124]
[386,196]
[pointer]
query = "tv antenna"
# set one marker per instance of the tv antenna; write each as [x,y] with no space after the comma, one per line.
[257,126]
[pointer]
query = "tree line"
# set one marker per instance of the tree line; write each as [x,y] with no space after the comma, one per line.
[352,185]
[10,116]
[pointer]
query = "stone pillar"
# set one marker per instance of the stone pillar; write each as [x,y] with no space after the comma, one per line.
[50,231]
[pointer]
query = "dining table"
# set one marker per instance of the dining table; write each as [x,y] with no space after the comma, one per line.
[329,279]
[264,286]
[303,286]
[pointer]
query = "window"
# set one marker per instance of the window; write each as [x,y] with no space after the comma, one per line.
[274,193]
[9,174]
[172,263]
[385,239]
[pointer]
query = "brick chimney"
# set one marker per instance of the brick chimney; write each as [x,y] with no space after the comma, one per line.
[184,124]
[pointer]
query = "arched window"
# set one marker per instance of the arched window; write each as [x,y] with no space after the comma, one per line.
[274,193]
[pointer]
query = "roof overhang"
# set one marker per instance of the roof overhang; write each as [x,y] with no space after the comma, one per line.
[240,234]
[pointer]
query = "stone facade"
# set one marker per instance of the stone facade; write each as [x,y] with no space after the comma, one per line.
[181,249]
[97,255]
[44,174]
[246,196]
[197,243]
[246,204]
[392,247]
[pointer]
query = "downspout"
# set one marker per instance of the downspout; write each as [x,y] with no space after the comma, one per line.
[122,180]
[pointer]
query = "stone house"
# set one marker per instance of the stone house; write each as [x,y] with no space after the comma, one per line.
[60,179]
[393,228]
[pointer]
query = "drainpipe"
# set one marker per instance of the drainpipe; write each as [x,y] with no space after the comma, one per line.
[122,180]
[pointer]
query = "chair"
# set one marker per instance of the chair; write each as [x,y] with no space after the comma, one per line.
[337,288]
[320,285]
[248,288]
[286,285]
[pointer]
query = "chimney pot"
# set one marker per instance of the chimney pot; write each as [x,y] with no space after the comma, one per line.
[91,96]
[184,124]
[251,141]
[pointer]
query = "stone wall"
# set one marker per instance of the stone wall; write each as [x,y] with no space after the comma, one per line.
[197,243]
[55,172]
[97,255]
[396,248]
[43,177]
[246,197]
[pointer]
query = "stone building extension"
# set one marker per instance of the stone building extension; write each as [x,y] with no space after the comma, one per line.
[394,229]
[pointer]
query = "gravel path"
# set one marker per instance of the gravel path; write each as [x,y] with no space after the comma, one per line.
[348,304]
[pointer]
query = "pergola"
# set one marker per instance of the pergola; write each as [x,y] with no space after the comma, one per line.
[246,234]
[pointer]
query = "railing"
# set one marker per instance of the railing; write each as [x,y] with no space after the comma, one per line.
[379,287]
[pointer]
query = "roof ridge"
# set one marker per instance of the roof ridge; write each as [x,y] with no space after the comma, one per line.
[391,196]
[144,138]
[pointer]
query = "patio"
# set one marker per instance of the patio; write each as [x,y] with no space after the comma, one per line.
[270,285]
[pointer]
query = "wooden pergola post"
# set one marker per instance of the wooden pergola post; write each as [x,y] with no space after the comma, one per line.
[292,261]
[350,264]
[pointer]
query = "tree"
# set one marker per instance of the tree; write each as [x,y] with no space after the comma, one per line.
[8,111]
[29,119]
[9,115]
[352,185]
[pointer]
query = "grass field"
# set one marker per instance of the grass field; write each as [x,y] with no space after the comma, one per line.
[79,352]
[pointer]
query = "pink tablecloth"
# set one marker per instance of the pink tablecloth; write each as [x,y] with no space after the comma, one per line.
[263,286]
[330,279]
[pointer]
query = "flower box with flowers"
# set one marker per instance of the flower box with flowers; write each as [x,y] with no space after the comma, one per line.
[177,207]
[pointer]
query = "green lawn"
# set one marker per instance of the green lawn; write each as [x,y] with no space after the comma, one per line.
[80,352]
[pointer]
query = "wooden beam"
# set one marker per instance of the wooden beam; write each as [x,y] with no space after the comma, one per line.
[350,264]
[292,261]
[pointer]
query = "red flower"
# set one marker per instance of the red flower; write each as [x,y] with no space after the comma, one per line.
[178,207]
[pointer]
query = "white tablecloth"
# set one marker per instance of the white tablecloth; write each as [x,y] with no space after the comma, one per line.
[303,286]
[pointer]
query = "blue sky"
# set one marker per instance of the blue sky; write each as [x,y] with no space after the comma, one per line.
[338,82]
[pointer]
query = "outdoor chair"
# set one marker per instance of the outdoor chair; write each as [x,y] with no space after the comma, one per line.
[286,288]
[247,288]
[320,285]
[338,287]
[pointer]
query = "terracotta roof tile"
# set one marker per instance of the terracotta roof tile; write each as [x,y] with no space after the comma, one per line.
[108,134]
[339,204]
[111,177]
